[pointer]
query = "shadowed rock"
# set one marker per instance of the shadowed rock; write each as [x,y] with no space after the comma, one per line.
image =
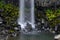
[46,3]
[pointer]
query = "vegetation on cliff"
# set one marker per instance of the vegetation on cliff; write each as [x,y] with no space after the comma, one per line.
[53,16]
[9,14]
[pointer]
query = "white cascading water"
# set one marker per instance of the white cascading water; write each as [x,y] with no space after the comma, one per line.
[32,14]
[21,14]
[26,16]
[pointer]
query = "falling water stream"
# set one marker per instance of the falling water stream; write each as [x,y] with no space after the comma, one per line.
[26,14]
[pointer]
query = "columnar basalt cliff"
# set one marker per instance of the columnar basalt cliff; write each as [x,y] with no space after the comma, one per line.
[43,3]
[46,3]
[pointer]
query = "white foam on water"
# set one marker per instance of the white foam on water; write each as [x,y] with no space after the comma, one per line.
[57,37]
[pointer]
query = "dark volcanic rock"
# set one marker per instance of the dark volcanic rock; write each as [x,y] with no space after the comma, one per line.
[46,3]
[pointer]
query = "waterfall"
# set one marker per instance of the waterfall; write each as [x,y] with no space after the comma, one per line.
[26,13]
[32,13]
[21,14]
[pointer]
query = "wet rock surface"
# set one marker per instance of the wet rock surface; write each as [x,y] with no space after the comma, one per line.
[47,3]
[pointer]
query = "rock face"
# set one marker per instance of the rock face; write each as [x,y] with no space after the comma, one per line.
[1,20]
[47,2]
[14,2]
[28,27]
[38,2]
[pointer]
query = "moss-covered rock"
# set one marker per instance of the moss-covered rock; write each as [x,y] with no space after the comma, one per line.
[53,16]
[9,12]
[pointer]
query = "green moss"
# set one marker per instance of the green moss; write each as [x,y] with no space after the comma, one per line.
[10,13]
[52,15]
